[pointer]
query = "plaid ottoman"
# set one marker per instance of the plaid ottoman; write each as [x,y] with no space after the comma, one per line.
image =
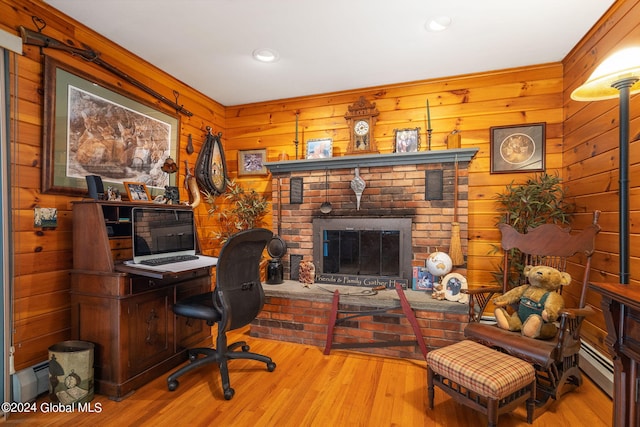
[482,378]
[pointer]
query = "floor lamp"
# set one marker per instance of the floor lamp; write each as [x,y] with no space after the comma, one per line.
[617,76]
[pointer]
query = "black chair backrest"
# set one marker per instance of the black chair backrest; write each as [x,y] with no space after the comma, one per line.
[239,292]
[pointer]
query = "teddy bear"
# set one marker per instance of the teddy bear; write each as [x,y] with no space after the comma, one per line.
[539,305]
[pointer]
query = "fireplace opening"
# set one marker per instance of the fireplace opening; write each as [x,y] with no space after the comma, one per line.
[361,252]
[363,246]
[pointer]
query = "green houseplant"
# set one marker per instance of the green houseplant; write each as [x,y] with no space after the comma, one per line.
[247,209]
[539,200]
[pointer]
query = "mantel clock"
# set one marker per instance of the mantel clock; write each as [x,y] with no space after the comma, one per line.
[361,118]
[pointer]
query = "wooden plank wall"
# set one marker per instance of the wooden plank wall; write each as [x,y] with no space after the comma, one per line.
[44,257]
[590,151]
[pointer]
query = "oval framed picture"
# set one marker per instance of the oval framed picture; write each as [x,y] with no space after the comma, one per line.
[453,284]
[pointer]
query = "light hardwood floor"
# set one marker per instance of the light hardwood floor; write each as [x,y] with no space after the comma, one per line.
[311,389]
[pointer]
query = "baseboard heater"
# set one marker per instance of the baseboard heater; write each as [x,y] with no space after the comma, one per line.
[29,383]
[598,367]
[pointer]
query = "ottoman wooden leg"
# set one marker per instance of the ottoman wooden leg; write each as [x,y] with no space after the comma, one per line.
[430,386]
[492,412]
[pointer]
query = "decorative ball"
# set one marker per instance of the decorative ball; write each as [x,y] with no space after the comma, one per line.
[439,264]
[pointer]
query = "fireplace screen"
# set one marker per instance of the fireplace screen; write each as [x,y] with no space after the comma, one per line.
[363,252]
[364,247]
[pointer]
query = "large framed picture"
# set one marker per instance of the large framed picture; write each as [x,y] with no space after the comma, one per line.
[92,129]
[319,148]
[251,162]
[407,140]
[518,148]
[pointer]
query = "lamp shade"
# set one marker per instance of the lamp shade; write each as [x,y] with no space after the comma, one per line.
[622,65]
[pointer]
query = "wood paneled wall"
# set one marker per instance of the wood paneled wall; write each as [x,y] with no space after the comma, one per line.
[590,152]
[43,257]
[580,145]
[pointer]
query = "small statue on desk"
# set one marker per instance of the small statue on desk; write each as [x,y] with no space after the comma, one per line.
[113,194]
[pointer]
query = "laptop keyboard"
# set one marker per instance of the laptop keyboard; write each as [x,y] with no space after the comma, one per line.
[168,260]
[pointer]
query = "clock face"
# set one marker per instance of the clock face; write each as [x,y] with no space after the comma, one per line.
[361,127]
[71,380]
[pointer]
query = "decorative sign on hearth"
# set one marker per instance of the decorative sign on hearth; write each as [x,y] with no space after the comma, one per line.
[364,281]
[295,191]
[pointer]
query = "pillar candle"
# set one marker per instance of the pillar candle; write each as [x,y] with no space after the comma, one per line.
[296,126]
[428,116]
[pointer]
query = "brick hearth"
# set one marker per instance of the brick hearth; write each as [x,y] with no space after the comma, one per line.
[295,313]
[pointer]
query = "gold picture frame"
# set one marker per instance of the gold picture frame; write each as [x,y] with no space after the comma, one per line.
[137,192]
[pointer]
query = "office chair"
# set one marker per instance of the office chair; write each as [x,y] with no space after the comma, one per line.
[236,300]
[555,360]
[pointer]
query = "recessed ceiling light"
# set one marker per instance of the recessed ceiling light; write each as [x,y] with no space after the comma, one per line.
[439,23]
[265,55]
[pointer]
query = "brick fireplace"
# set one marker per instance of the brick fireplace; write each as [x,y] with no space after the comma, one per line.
[414,188]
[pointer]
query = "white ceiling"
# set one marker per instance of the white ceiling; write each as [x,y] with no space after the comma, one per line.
[333,45]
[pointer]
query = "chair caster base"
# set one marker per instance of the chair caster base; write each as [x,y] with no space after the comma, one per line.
[172,385]
[228,393]
[271,367]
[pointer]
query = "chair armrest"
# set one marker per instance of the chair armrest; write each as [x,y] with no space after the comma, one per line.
[572,313]
[478,300]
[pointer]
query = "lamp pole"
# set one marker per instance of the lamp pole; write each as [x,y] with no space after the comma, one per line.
[624,85]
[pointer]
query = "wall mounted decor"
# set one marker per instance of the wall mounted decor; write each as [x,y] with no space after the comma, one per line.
[518,148]
[90,129]
[211,166]
[251,162]
[406,140]
[319,148]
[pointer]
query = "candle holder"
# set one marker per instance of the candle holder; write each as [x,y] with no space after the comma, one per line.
[295,141]
[429,139]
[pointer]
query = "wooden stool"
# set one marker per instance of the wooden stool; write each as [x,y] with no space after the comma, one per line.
[481,378]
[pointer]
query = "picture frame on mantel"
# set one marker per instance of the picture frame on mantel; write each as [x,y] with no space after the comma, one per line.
[91,128]
[406,140]
[518,148]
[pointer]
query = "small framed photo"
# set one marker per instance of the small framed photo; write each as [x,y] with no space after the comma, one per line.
[252,162]
[319,148]
[137,191]
[518,148]
[422,279]
[407,140]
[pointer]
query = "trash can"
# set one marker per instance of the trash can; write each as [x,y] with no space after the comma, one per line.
[71,372]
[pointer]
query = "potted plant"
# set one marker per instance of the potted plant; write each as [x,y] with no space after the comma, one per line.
[247,210]
[539,200]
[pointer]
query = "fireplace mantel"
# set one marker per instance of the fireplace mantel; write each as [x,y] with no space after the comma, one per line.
[371,160]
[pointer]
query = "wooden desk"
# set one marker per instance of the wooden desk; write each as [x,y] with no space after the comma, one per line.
[125,311]
[621,309]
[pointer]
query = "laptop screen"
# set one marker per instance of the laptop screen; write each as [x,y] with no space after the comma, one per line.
[162,232]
